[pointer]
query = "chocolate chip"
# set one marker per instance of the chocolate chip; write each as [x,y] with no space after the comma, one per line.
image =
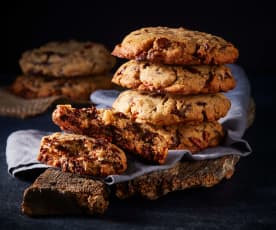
[227,75]
[200,103]
[88,46]
[63,117]
[61,148]
[175,139]
[163,43]
[121,70]
[145,65]
[120,115]
[210,79]
[206,46]
[182,111]
[191,70]
[196,53]
[196,142]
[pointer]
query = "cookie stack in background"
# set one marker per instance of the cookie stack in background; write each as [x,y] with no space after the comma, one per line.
[69,69]
[176,77]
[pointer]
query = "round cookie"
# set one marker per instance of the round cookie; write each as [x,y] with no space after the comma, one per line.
[67,59]
[175,46]
[168,109]
[79,89]
[196,79]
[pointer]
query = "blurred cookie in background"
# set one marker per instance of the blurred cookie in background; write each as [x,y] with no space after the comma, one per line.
[70,69]
[67,59]
[79,89]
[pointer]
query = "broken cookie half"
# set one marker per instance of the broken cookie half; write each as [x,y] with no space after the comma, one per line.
[81,154]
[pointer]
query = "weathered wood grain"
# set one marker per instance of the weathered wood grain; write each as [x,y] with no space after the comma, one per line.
[183,175]
[55,192]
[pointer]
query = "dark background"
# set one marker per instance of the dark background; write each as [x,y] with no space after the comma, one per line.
[28,24]
[247,201]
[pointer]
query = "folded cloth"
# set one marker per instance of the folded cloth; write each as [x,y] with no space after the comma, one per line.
[23,146]
[13,106]
[22,150]
[104,98]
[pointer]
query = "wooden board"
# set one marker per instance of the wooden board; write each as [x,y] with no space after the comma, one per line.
[183,175]
[55,192]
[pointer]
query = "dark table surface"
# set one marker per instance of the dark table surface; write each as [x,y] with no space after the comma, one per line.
[246,201]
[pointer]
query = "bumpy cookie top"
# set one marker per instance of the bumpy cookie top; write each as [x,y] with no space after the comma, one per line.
[175,46]
[170,109]
[175,79]
[67,59]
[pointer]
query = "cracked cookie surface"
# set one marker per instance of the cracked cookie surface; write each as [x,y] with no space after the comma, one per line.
[148,141]
[67,59]
[169,109]
[145,76]
[139,139]
[79,89]
[175,46]
[80,154]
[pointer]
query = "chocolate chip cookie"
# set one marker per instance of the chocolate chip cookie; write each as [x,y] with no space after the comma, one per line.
[139,139]
[67,59]
[175,46]
[169,109]
[150,142]
[78,89]
[196,79]
[80,154]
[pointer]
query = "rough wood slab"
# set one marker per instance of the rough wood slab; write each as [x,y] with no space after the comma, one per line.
[55,192]
[183,175]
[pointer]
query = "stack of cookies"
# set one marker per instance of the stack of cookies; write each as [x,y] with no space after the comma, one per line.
[176,77]
[69,69]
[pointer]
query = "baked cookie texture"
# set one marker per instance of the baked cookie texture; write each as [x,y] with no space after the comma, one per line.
[150,142]
[192,137]
[175,46]
[138,139]
[185,80]
[78,89]
[80,154]
[67,59]
[170,109]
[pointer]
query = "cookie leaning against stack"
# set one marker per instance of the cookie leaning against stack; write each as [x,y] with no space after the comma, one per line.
[176,76]
[72,69]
